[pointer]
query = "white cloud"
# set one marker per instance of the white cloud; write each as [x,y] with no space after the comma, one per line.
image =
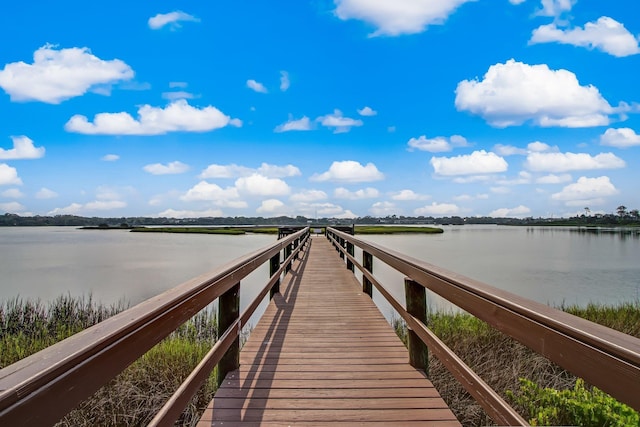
[383,209]
[621,138]
[110,157]
[173,19]
[367,111]
[57,75]
[397,17]
[23,148]
[350,171]
[204,191]
[437,209]
[365,193]
[406,195]
[308,196]
[256,86]
[105,205]
[338,122]
[72,209]
[171,168]
[508,150]
[564,162]
[12,207]
[173,96]
[586,191]
[45,193]
[606,34]
[329,210]
[173,213]
[516,2]
[178,116]
[478,162]
[554,179]
[284,81]
[514,93]
[300,124]
[12,193]
[524,177]
[555,8]
[437,144]
[518,211]
[259,185]
[9,175]
[236,171]
[272,206]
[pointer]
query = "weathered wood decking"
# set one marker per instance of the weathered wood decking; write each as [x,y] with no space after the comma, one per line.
[323,354]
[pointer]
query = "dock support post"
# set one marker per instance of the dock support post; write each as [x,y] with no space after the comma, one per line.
[274,265]
[416,299]
[228,312]
[367,263]
[350,251]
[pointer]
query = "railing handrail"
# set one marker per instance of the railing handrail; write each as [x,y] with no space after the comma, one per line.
[79,365]
[604,357]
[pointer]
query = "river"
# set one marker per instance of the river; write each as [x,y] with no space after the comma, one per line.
[547,264]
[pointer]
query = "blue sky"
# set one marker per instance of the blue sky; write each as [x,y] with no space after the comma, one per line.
[320,108]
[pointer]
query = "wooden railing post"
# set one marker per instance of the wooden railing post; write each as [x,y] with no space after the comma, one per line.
[341,240]
[228,312]
[416,299]
[274,265]
[296,243]
[287,253]
[350,251]
[367,263]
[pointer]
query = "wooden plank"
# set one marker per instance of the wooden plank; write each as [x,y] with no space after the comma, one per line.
[323,353]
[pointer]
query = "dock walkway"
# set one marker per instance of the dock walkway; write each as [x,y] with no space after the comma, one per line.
[324,354]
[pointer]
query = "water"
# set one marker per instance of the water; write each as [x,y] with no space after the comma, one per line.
[549,265]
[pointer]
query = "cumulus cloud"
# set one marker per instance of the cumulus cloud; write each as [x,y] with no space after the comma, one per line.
[564,162]
[205,191]
[12,193]
[329,210]
[171,168]
[365,193]
[397,17]
[259,185]
[476,163]
[96,205]
[272,207]
[45,193]
[586,191]
[292,124]
[110,157]
[178,116]
[406,195]
[621,138]
[308,196]
[207,213]
[383,209]
[514,93]
[57,75]
[23,148]
[437,144]
[236,171]
[606,34]
[256,86]
[284,81]
[349,171]
[518,211]
[338,122]
[437,209]
[173,19]
[180,94]
[554,179]
[367,111]
[9,175]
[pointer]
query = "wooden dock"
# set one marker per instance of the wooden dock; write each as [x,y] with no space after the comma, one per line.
[324,354]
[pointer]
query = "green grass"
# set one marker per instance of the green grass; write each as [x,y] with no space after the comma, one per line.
[383,229]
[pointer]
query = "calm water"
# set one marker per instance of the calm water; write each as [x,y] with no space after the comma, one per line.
[549,265]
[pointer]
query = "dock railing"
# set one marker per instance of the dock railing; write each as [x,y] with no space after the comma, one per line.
[44,387]
[603,357]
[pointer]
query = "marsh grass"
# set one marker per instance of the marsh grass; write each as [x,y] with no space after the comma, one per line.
[134,396]
[383,229]
[501,361]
